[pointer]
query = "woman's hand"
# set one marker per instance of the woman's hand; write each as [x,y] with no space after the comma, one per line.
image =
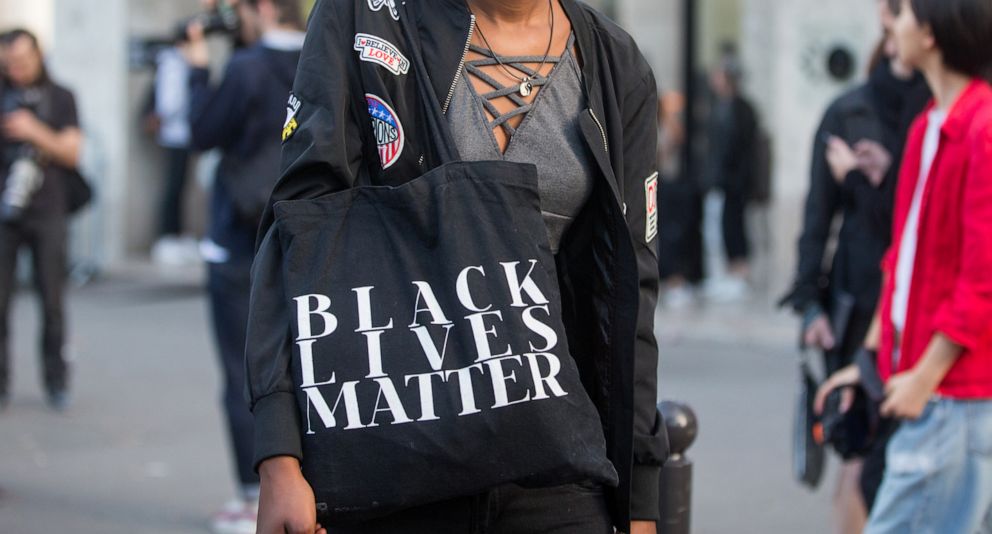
[22,125]
[873,160]
[819,334]
[907,395]
[841,158]
[286,504]
[848,376]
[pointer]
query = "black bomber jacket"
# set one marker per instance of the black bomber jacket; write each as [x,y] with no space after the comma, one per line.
[607,264]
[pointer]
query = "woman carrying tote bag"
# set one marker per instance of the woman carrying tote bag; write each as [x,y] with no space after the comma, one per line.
[453,299]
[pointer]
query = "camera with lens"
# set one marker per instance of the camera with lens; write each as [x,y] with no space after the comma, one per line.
[24,174]
[223,18]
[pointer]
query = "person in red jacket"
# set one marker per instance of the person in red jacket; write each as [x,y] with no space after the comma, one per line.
[933,331]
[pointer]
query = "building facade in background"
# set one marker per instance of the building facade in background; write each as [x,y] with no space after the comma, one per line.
[785,46]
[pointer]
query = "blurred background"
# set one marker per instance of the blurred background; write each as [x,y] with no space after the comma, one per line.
[143,447]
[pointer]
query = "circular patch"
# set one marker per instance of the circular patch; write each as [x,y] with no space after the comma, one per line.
[387,129]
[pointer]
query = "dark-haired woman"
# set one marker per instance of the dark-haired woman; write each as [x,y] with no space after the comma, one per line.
[935,345]
[856,155]
[551,83]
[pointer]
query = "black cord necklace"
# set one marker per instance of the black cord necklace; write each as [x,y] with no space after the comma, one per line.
[526,83]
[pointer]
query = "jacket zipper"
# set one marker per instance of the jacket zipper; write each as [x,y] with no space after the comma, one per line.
[602,131]
[461,65]
[458,73]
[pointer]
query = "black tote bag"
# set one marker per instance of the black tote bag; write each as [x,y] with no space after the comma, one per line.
[808,455]
[430,358]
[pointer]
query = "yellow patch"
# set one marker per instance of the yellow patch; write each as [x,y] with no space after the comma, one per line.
[289,129]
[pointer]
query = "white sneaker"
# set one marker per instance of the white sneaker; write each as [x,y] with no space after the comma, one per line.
[680,298]
[236,517]
[167,251]
[727,290]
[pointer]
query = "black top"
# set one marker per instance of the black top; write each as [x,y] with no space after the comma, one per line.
[881,110]
[247,106]
[733,131]
[55,106]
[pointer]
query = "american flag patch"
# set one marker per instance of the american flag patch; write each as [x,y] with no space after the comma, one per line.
[387,129]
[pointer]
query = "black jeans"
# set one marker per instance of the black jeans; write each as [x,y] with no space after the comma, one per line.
[46,238]
[735,240]
[509,509]
[177,170]
[228,287]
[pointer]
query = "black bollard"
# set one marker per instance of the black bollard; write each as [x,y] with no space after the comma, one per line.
[676,477]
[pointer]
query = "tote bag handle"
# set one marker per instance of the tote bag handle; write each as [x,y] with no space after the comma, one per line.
[437,124]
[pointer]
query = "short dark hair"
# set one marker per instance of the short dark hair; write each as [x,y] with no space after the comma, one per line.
[9,37]
[963,31]
[290,11]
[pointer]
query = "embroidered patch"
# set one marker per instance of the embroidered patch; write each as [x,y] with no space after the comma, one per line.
[651,207]
[292,109]
[387,129]
[381,52]
[377,5]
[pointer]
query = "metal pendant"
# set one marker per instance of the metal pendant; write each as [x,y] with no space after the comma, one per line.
[526,88]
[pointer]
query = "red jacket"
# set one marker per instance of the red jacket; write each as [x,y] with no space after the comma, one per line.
[951,291]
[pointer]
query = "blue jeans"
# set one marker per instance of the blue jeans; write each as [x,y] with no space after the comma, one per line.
[938,474]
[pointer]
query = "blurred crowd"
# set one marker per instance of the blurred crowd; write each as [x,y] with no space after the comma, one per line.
[894,277]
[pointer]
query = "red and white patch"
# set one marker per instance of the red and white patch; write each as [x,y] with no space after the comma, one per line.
[388,130]
[381,52]
[651,207]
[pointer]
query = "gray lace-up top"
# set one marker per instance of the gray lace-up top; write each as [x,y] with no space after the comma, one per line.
[549,135]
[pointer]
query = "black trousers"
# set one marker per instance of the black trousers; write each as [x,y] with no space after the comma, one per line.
[176,172]
[735,239]
[228,286]
[680,230]
[509,509]
[46,239]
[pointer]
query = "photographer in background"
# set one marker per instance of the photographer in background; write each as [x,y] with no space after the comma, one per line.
[40,144]
[244,117]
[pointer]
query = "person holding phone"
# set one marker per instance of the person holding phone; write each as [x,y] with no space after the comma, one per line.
[855,170]
[933,338]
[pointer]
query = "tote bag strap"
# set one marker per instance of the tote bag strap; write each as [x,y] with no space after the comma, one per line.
[441,138]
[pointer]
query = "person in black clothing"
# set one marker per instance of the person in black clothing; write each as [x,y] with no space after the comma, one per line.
[607,261]
[39,148]
[680,207]
[732,135]
[854,173]
[241,116]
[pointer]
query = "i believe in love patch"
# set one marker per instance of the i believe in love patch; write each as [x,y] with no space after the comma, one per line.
[388,130]
[381,52]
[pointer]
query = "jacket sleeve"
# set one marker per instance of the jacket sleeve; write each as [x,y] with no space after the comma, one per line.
[217,114]
[965,316]
[640,134]
[822,204]
[321,156]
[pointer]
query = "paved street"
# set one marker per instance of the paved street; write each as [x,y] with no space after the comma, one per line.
[142,449]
